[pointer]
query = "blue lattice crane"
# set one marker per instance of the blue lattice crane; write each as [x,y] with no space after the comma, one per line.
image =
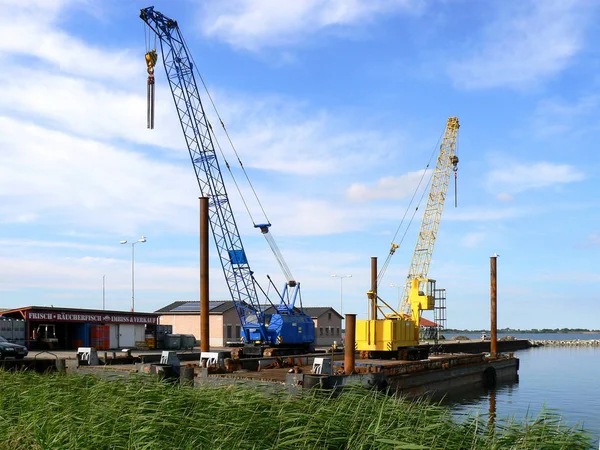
[288,327]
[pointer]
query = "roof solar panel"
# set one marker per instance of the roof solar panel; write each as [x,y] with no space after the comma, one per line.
[195,306]
[212,305]
[189,306]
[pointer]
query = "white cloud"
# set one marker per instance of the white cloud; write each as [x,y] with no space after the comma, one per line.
[80,276]
[273,134]
[503,197]
[312,217]
[41,7]
[515,178]
[54,177]
[527,42]
[485,215]
[32,31]
[10,244]
[54,78]
[388,187]
[252,24]
[283,135]
[90,108]
[554,116]
[473,239]
[594,239]
[590,277]
[270,133]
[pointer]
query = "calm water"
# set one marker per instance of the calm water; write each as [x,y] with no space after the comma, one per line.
[535,337]
[563,379]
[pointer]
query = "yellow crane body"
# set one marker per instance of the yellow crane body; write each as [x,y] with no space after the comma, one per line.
[384,335]
[396,332]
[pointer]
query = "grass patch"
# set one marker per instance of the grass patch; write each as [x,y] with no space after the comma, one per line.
[85,412]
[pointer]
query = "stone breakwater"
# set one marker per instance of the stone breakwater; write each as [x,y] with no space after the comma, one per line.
[566,343]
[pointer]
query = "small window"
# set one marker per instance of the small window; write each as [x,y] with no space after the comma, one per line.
[337,331]
[329,316]
[321,331]
[228,331]
[327,331]
[237,331]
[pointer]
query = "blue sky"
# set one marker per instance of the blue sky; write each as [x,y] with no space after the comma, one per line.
[335,108]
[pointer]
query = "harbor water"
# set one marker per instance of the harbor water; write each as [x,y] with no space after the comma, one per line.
[561,379]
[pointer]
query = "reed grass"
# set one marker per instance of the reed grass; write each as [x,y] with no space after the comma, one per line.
[85,412]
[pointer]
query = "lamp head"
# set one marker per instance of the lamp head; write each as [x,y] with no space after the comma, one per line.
[143,239]
[123,242]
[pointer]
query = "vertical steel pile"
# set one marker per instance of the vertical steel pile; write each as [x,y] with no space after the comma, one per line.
[349,344]
[493,308]
[374,287]
[204,326]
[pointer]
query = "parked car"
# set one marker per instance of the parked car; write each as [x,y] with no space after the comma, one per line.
[10,349]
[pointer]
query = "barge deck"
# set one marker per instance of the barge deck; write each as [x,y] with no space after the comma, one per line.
[437,375]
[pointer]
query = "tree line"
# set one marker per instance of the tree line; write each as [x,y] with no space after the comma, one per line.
[531,331]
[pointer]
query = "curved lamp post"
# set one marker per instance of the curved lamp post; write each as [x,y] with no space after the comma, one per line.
[341,277]
[392,285]
[142,239]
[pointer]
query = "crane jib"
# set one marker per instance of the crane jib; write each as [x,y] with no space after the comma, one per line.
[293,327]
[446,164]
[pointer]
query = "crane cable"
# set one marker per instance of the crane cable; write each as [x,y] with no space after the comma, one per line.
[230,142]
[395,246]
[264,229]
[147,37]
[456,173]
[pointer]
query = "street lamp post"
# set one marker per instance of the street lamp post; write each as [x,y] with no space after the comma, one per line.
[392,285]
[341,277]
[142,239]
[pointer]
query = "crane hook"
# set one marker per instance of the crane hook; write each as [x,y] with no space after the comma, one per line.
[151,58]
[454,161]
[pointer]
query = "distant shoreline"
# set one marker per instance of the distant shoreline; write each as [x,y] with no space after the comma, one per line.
[534,331]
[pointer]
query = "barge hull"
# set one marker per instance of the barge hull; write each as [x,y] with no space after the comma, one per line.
[435,376]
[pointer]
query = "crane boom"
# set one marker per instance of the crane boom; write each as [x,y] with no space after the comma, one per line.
[396,335]
[446,163]
[257,327]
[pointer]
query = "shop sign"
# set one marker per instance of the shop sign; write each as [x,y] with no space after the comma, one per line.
[63,316]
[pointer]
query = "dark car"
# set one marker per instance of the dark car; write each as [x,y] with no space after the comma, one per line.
[12,350]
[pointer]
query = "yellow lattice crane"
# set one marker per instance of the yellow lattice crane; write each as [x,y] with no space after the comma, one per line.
[397,332]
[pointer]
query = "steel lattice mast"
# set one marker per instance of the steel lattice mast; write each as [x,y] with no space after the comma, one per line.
[197,133]
[446,164]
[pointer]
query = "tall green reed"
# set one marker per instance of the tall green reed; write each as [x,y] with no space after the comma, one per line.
[85,412]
